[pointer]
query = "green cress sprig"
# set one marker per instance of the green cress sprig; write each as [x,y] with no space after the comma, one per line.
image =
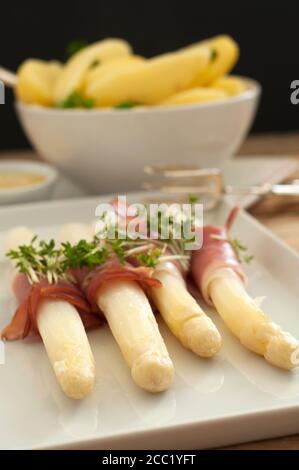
[39,260]
[44,260]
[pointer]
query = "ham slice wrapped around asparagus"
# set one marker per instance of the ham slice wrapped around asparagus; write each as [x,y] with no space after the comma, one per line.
[57,313]
[115,290]
[217,272]
[180,311]
[25,321]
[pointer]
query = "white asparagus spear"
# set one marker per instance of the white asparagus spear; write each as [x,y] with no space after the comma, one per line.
[133,325]
[135,329]
[63,335]
[182,314]
[247,321]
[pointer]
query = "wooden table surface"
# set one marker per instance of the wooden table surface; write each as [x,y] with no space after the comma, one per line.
[281,215]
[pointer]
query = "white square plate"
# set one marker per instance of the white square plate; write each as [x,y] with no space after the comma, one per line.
[234,397]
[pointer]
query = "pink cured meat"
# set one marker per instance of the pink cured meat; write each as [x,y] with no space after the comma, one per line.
[82,296]
[216,252]
[29,297]
[91,281]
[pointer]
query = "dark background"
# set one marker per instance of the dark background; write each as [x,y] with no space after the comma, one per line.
[267,32]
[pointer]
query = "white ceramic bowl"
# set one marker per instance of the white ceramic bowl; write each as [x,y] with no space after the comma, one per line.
[34,192]
[106,150]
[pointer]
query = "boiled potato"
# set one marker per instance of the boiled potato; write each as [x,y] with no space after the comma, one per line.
[224,53]
[195,95]
[231,85]
[149,82]
[36,79]
[72,76]
[106,74]
[111,66]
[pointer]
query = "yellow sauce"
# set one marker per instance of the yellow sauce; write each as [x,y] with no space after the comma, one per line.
[16,179]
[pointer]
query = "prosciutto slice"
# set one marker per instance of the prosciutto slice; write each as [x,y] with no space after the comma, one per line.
[216,252]
[91,280]
[29,297]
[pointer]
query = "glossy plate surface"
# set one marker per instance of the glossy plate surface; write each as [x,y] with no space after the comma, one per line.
[234,397]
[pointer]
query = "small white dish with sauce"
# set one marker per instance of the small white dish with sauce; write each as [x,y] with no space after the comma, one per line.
[25,181]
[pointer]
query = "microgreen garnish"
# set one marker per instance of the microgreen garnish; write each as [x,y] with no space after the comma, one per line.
[84,253]
[44,260]
[241,250]
[39,260]
[214,55]
[126,105]
[75,46]
[193,199]
[151,258]
[75,100]
[94,63]
[118,249]
[248,258]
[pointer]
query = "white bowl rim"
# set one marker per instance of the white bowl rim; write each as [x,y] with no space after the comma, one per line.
[48,171]
[253,91]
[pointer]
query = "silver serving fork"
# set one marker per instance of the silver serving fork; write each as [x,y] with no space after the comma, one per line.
[207,183]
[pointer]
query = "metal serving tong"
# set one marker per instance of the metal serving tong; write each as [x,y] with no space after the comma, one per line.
[207,183]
